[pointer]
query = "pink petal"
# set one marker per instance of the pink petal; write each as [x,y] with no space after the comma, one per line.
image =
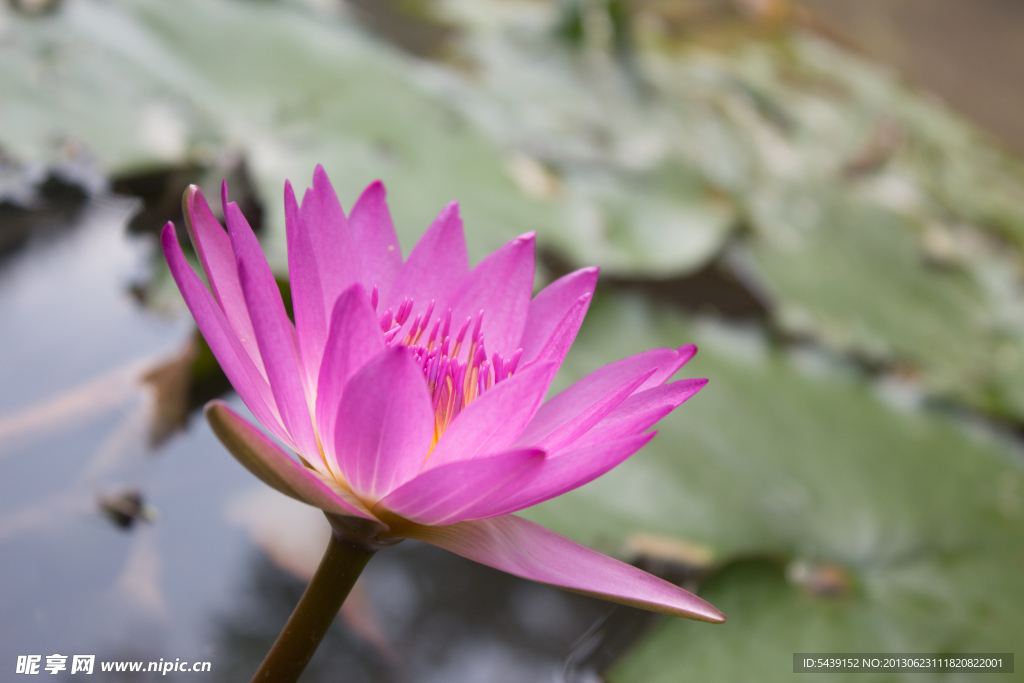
[549,307]
[641,411]
[578,397]
[221,338]
[213,246]
[686,353]
[493,421]
[273,467]
[355,338]
[274,334]
[307,295]
[329,233]
[385,424]
[462,490]
[436,267]
[548,431]
[375,239]
[560,341]
[525,549]
[501,286]
[562,472]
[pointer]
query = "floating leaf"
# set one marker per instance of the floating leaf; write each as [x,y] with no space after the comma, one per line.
[144,84]
[616,153]
[916,606]
[856,278]
[914,522]
[861,239]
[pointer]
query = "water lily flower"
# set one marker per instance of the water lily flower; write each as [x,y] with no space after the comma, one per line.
[412,389]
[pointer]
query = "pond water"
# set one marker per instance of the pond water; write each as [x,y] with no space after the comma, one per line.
[210,566]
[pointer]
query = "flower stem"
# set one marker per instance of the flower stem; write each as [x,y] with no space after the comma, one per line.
[341,565]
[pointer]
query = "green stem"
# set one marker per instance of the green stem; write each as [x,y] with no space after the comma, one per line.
[341,565]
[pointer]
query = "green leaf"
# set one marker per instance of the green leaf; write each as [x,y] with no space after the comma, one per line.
[796,459]
[882,225]
[917,606]
[620,160]
[857,278]
[140,82]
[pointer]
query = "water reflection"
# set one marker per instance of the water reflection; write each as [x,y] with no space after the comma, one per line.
[244,636]
[425,616]
[73,431]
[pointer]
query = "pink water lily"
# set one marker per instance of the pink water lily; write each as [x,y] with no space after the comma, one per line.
[413,390]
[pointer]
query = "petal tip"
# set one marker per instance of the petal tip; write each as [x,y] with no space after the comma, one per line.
[291,203]
[215,407]
[170,245]
[694,608]
[686,352]
[321,181]
[188,205]
[712,615]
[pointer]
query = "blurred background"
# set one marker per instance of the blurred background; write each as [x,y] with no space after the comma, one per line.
[826,196]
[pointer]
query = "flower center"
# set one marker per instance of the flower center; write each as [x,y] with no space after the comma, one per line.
[456,375]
